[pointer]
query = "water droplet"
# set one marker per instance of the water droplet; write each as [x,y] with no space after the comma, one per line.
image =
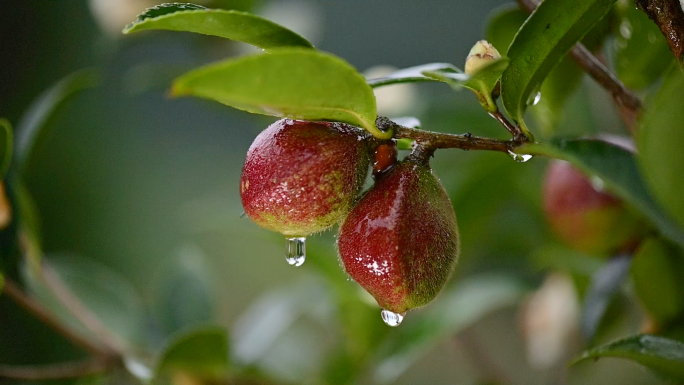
[534,98]
[296,251]
[597,183]
[626,29]
[520,158]
[392,319]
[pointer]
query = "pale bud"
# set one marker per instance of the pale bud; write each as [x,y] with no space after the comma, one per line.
[479,56]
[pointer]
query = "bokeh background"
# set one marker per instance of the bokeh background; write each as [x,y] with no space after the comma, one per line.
[140,209]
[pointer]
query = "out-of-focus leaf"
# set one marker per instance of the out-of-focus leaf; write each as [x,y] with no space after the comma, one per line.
[604,285]
[234,25]
[2,282]
[617,168]
[540,44]
[184,294]
[201,353]
[641,51]
[566,260]
[290,82]
[660,143]
[413,74]
[6,145]
[658,273]
[238,5]
[106,294]
[502,25]
[664,356]
[266,320]
[32,125]
[453,311]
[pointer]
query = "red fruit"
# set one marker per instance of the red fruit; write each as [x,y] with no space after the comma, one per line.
[400,242]
[302,177]
[584,217]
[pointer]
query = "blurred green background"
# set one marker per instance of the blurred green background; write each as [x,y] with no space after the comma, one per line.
[139,204]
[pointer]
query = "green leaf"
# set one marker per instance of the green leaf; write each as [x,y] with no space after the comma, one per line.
[482,82]
[202,353]
[660,143]
[657,272]
[6,146]
[33,124]
[502,25]
[641,51]
[292,82]
[2,282]
[617,168]
[547,35]
[604,285]
[234,25]
[453,311]
[413,74]
[664,356]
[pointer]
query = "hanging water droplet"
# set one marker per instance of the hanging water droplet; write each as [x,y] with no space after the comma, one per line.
[534,98]
[296,251]
[392,319]
[520,158]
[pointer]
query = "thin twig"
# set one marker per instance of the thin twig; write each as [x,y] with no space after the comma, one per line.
[13,291]
[513,129]
[55,371]
[430,141]
[629,103]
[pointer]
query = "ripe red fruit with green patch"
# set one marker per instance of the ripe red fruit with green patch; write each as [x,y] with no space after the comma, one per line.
[302,177]
[400,242]
[585,218]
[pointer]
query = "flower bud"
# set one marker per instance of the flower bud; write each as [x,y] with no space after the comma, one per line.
[479,56]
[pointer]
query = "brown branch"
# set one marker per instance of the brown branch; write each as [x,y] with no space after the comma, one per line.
[669,17]
[55,371]
[428,141]
[513,129]
[13,291]
[629,103]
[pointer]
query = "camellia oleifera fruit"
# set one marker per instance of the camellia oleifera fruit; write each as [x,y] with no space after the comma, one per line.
[400,242]
[584,216]
[302,177]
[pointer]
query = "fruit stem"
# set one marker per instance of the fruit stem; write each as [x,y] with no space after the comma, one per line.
[429,141]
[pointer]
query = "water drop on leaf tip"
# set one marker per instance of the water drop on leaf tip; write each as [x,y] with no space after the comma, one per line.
[520,158]
[391,318]
[296,251]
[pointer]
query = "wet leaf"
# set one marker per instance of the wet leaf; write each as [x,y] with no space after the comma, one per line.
[664,356]
[660,143]
[617,168]
[234,25]
[540,44]
[291,82]
[202,353]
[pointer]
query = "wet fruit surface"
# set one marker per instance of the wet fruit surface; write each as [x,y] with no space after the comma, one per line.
[400,242]
[583,216]
[302,177]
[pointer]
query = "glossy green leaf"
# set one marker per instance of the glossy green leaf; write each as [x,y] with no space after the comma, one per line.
[658,272]
[6,146]
[617,168]
[32,125]
[291,82]
[660,143]
[547,35]
[201,353]
[234,25]
[602,289]
[664,356]
[453,311]
[482,82]
[641,51]
[413,74]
